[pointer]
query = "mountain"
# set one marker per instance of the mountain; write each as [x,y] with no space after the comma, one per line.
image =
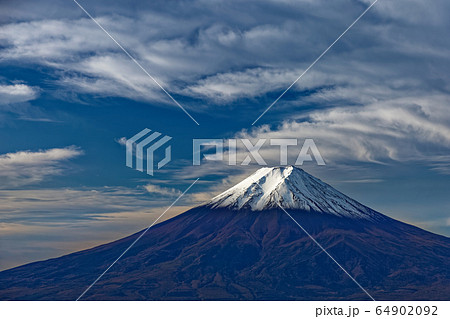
[290,188]
[244,245]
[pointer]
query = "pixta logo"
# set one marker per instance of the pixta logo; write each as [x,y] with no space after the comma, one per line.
[251,150]
[144,145]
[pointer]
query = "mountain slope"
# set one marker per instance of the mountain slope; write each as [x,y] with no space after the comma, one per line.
[247,253]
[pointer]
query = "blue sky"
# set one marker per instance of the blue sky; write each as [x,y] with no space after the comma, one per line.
[376,105]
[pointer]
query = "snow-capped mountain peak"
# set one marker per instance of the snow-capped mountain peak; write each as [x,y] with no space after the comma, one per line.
[291,188]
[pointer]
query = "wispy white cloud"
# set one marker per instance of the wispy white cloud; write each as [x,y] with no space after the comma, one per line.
[229,54]
[17,93]
[250,83]
[396,131]
[159,190]
[27,167]
[404,129]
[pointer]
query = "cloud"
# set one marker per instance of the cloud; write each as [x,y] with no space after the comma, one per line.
[122,140]
[250,83]
[222,53]
[55,206]
[27,167]
[113,75]
[440,164]
[44,223]
[17,93]
[401,130]
[164,191]
[84,57]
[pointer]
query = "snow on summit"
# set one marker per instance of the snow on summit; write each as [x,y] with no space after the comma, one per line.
[291,188]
